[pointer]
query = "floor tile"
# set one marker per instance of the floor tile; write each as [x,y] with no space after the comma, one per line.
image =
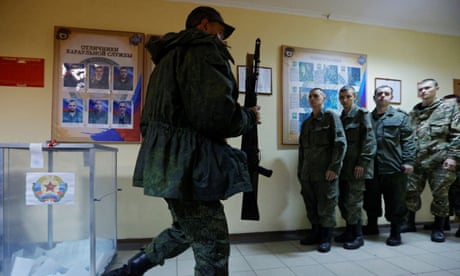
[312,270]
[418,255]
[296,259]
[264,261]
[275,272]
[348,268]
[440,261]
[381,267]
[411,264]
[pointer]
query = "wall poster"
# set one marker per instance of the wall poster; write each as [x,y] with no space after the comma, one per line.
[97,92]
[304,69]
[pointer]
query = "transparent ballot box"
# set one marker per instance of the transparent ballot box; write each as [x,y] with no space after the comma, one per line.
[58,209]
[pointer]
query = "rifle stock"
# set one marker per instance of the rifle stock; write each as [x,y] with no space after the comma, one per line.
[249,143]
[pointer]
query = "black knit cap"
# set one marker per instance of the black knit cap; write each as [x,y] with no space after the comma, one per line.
[199,13]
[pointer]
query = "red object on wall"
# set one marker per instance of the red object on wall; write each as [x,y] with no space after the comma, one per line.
[22,71]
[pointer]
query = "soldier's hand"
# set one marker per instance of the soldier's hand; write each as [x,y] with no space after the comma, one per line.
[359,171]
[449,164]
[407,168]
[256,110]
[330,175]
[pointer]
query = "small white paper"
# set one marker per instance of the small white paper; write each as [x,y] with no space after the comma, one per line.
[22,266]
[76,271]
[47,267]
[36,155]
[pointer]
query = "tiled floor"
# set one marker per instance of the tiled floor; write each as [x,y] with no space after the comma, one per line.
[418,255]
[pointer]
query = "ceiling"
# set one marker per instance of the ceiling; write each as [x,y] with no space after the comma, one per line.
[432,16]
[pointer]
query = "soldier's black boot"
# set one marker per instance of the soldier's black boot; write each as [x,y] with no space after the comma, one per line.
[313,237]
[457,234]
[357,240]
[437,233]
[136,266]
[409,226]
[346,236]
[372,227]
[446,225]
[326,237]
[395,235]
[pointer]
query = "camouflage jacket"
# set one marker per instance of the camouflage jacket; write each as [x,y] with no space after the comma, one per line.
[437,132]
[361,144]
[322,146]
[190,109]
[395,141]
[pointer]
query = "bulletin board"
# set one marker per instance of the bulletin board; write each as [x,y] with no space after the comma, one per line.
[97,90]
[304,69]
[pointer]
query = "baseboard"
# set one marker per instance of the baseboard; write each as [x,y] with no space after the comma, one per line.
[134,244]
[257,237]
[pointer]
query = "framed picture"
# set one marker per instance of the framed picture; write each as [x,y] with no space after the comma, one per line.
[394,84]
[98,85]
[264,80]
[304,69]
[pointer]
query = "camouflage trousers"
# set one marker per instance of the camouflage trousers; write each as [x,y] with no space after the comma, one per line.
[454,196]
[320,198]
[351,200]
[201,225]
[439,179]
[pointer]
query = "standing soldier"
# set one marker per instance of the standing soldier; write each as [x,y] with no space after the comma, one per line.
[437,129]
[358,165]
[322,146]
[454,191]
[393,161]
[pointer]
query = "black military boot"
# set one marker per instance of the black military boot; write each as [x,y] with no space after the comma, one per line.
[437,233]
[346,236]
[357,240]
[136,266]
[409,226]
[446,225]
[313,237]
[395,235]
[457,234]
[326,237]
[372,227]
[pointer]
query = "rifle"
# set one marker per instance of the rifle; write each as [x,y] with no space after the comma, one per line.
[249,143]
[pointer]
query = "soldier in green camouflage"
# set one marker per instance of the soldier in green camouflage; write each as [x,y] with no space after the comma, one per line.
[358,165]
[322,147]
[393,162]
[190,109]
[437,129]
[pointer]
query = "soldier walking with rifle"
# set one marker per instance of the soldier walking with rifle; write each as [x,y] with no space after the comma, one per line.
[191,108]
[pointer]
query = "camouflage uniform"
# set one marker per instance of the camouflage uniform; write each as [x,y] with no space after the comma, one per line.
[361,147]
[454,195]
[322,146]
[437,129]
[201,225]
[395,147]
[190,109]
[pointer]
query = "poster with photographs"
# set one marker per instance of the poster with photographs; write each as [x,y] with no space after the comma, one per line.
[98,85]
[304,69]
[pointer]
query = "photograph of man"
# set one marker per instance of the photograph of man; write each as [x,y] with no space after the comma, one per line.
[121,112]
[74,75]
[97,113]
[122,78]
[99,77]
[72,111]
